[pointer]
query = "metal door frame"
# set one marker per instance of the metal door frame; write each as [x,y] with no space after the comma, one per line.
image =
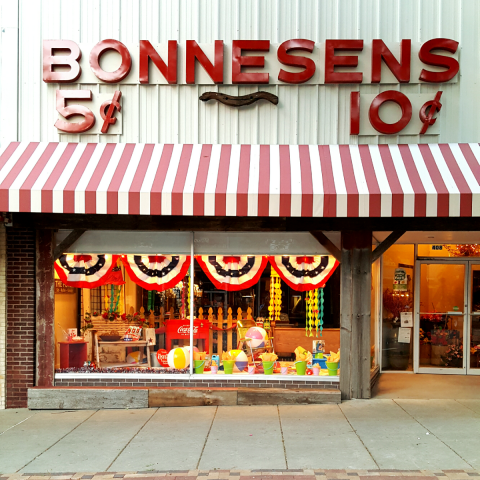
[466,310]
[469,370]
[465,370]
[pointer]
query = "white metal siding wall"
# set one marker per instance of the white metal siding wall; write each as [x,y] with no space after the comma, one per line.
[305,114]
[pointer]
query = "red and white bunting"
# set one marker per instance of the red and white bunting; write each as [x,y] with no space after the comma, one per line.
[304,273]
[427,180]
[85,271]
[232,273]
[156,272]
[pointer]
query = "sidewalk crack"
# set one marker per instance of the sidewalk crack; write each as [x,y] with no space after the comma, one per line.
[206,439]
[130,441]
[283,440]
[13,426]
[358,436]
[465,406]
[430,432]
[59,440]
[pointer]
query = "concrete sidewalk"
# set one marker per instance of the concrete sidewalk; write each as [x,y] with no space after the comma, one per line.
[364,435]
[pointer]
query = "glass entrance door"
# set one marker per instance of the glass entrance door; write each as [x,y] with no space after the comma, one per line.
[472,347]
[440,312]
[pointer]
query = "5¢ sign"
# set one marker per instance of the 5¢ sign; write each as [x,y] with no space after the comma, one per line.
[88,113]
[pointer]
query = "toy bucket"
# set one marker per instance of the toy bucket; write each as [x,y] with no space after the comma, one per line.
[214,369]
[332,368]
[251,369]
[284,370]
[268,367]
[316,370]
[301,367]
[199,365]
[228,366]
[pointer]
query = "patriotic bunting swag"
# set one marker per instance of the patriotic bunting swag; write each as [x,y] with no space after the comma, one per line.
[156,272]
[307,274]
[304,273]
[85,271]
[233,273]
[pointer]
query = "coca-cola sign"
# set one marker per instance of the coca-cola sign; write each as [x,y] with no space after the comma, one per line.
[162,358]
[185,330]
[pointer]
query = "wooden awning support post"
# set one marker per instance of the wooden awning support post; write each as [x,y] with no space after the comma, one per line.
[386,244]
[67,242]
[327,243]
[355,298]
[45,309]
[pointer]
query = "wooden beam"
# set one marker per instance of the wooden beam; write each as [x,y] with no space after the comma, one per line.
[355,306]
[45,308]
[67,242]
[235,224]
[327,243]
[386,244]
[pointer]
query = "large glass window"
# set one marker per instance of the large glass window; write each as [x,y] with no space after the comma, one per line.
[138,312]
[397,291]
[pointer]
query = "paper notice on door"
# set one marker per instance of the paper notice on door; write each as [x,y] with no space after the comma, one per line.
[406,319]
[404,335]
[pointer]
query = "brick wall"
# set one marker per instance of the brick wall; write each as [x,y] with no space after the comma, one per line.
[3,321]
[20,365]
[245,381]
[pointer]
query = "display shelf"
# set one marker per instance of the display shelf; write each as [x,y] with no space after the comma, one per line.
[137,343]
[72,354]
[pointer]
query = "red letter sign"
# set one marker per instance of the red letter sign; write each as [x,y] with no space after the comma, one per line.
[194,52]
[67,112]
[99,49]
[296,61]
[331,61]
[148,52]
[426,56]
[49,60]
[252,61]
[354,113]
[390,96]
[400,70]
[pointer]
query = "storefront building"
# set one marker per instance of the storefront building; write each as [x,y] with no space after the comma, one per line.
[178,175]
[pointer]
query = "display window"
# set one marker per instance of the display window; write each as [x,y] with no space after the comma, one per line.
[397,308]
[251,314]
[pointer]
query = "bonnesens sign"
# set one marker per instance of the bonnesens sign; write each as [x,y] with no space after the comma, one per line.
[256,62]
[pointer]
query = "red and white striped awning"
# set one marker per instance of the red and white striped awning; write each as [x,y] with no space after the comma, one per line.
[242,180]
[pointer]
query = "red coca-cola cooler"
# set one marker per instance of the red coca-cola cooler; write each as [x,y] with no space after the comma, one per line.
[180,330]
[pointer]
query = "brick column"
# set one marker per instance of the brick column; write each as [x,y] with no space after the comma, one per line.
[3,317]
[20,351]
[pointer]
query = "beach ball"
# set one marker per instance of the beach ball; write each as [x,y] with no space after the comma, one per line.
[134,357]
[241,360]
[256,337]
[195,349]
[178,358]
